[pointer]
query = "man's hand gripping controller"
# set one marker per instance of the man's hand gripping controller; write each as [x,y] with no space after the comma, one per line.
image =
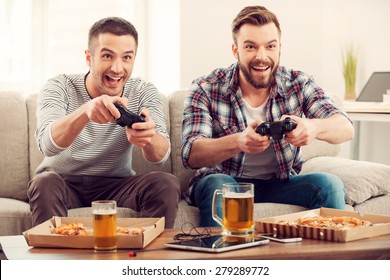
[276,130]
[127,118]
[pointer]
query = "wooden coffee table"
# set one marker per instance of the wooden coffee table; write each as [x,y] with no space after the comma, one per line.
[15,247]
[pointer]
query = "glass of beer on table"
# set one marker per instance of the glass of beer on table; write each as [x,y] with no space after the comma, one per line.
[237,209]
[104,225]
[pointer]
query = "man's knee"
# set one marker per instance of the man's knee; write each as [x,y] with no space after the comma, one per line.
[210,183]
[331,190]
[336,192]
[215,181]
[164,196]
[329,183]
[165,187]
[44,181]
[164,181]
[205,188]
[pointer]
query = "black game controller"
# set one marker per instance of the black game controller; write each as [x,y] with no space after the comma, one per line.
[127,118]
[276,129]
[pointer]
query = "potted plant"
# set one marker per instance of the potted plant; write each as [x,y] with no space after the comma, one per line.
[349,72]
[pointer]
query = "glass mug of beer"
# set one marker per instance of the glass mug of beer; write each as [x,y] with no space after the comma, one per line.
[104,225]
[237,209]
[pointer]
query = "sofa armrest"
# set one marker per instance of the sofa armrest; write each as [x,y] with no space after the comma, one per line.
[319,148]
[362,179]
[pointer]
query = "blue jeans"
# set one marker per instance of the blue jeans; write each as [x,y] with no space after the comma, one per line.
[312,190]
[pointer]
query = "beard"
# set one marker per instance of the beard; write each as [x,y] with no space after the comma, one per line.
[261,82]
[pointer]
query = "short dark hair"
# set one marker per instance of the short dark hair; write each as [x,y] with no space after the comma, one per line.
[255,15]
[115,25]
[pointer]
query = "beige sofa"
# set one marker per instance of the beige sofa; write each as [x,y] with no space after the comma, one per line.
[367,184]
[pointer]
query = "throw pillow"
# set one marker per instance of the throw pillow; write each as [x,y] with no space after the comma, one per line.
[362,179]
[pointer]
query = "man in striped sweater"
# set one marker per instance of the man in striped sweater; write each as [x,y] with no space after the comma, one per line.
[87,155]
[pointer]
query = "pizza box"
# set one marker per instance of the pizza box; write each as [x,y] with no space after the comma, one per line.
[41,235]
[380,225]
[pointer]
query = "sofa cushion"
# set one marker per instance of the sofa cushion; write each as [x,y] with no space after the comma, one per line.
[36,156]
[15,216]
[14,174]
[377,205]
[140,165]
[176,107]
[319,148]
[362,179]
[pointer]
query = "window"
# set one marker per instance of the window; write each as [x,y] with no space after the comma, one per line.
[16,44]
[43,38]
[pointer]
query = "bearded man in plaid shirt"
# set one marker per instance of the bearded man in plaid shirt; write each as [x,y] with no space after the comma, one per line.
[224,108]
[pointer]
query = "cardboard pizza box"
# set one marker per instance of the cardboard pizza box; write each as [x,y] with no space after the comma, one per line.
[41,235]
[380,225]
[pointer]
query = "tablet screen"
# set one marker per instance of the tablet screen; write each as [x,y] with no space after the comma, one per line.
[217,243]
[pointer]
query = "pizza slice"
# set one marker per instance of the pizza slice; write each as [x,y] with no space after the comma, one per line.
[130,231]
[75,229]
[72,229]
[337,222]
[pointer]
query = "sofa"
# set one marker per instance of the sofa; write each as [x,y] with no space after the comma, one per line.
[367,184]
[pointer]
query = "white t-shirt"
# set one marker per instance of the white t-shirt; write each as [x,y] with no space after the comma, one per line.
[262,165]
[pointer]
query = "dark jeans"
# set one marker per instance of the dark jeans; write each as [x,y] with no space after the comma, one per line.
[155,194]
[312,190]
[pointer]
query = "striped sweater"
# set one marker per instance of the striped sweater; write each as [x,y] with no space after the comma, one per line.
[100,149]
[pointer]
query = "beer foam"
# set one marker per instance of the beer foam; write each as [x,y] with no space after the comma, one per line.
[238,195]
[104,211]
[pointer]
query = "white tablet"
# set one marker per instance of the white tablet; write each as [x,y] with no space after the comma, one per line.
[217,243]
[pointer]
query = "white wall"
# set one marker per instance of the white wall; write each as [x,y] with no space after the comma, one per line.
[162,44]
[15,45]
[313,36]
[66,31]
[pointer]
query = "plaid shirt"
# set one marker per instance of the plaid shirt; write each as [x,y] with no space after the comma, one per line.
[214,108]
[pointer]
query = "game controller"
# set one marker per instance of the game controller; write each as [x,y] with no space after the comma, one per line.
[127,118]
[277,129]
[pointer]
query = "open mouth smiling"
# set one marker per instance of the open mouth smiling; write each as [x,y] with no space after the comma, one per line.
[260,68]
[113,79]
